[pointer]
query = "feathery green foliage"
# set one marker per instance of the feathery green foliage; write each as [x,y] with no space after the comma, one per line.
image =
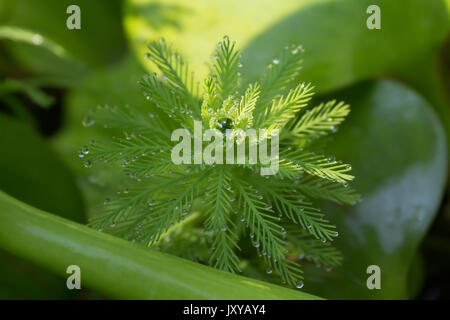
[210,213]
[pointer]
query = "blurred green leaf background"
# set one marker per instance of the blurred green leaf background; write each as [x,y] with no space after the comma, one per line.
[396,79]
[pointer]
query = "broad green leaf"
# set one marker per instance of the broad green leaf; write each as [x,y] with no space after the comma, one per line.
[41,54]
[31,171]
[339,48]
[127,270]
[21,35]
[398,152]
[99,41]
[427,77]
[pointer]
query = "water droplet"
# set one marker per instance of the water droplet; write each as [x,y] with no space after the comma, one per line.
[107,201]
[299,285]
[269,271]
[129,136]
[87,163]
[87,122]
[276,61]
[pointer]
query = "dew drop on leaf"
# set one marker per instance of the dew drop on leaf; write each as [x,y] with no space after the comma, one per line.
[87,122]
[87,163]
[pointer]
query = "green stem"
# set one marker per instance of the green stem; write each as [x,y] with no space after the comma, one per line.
[118,268]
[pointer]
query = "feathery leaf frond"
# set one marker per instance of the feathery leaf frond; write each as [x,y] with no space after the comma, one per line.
[175,70]
[300,211]
[285,108]
[321,166]
[320,120]
[220,222]
[244,116]
[267,236]
[280,73]
[165,99]
[128,120]
[220,205]
[313,250]
[225,69]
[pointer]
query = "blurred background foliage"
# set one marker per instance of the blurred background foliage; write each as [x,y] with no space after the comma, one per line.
[396,80]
